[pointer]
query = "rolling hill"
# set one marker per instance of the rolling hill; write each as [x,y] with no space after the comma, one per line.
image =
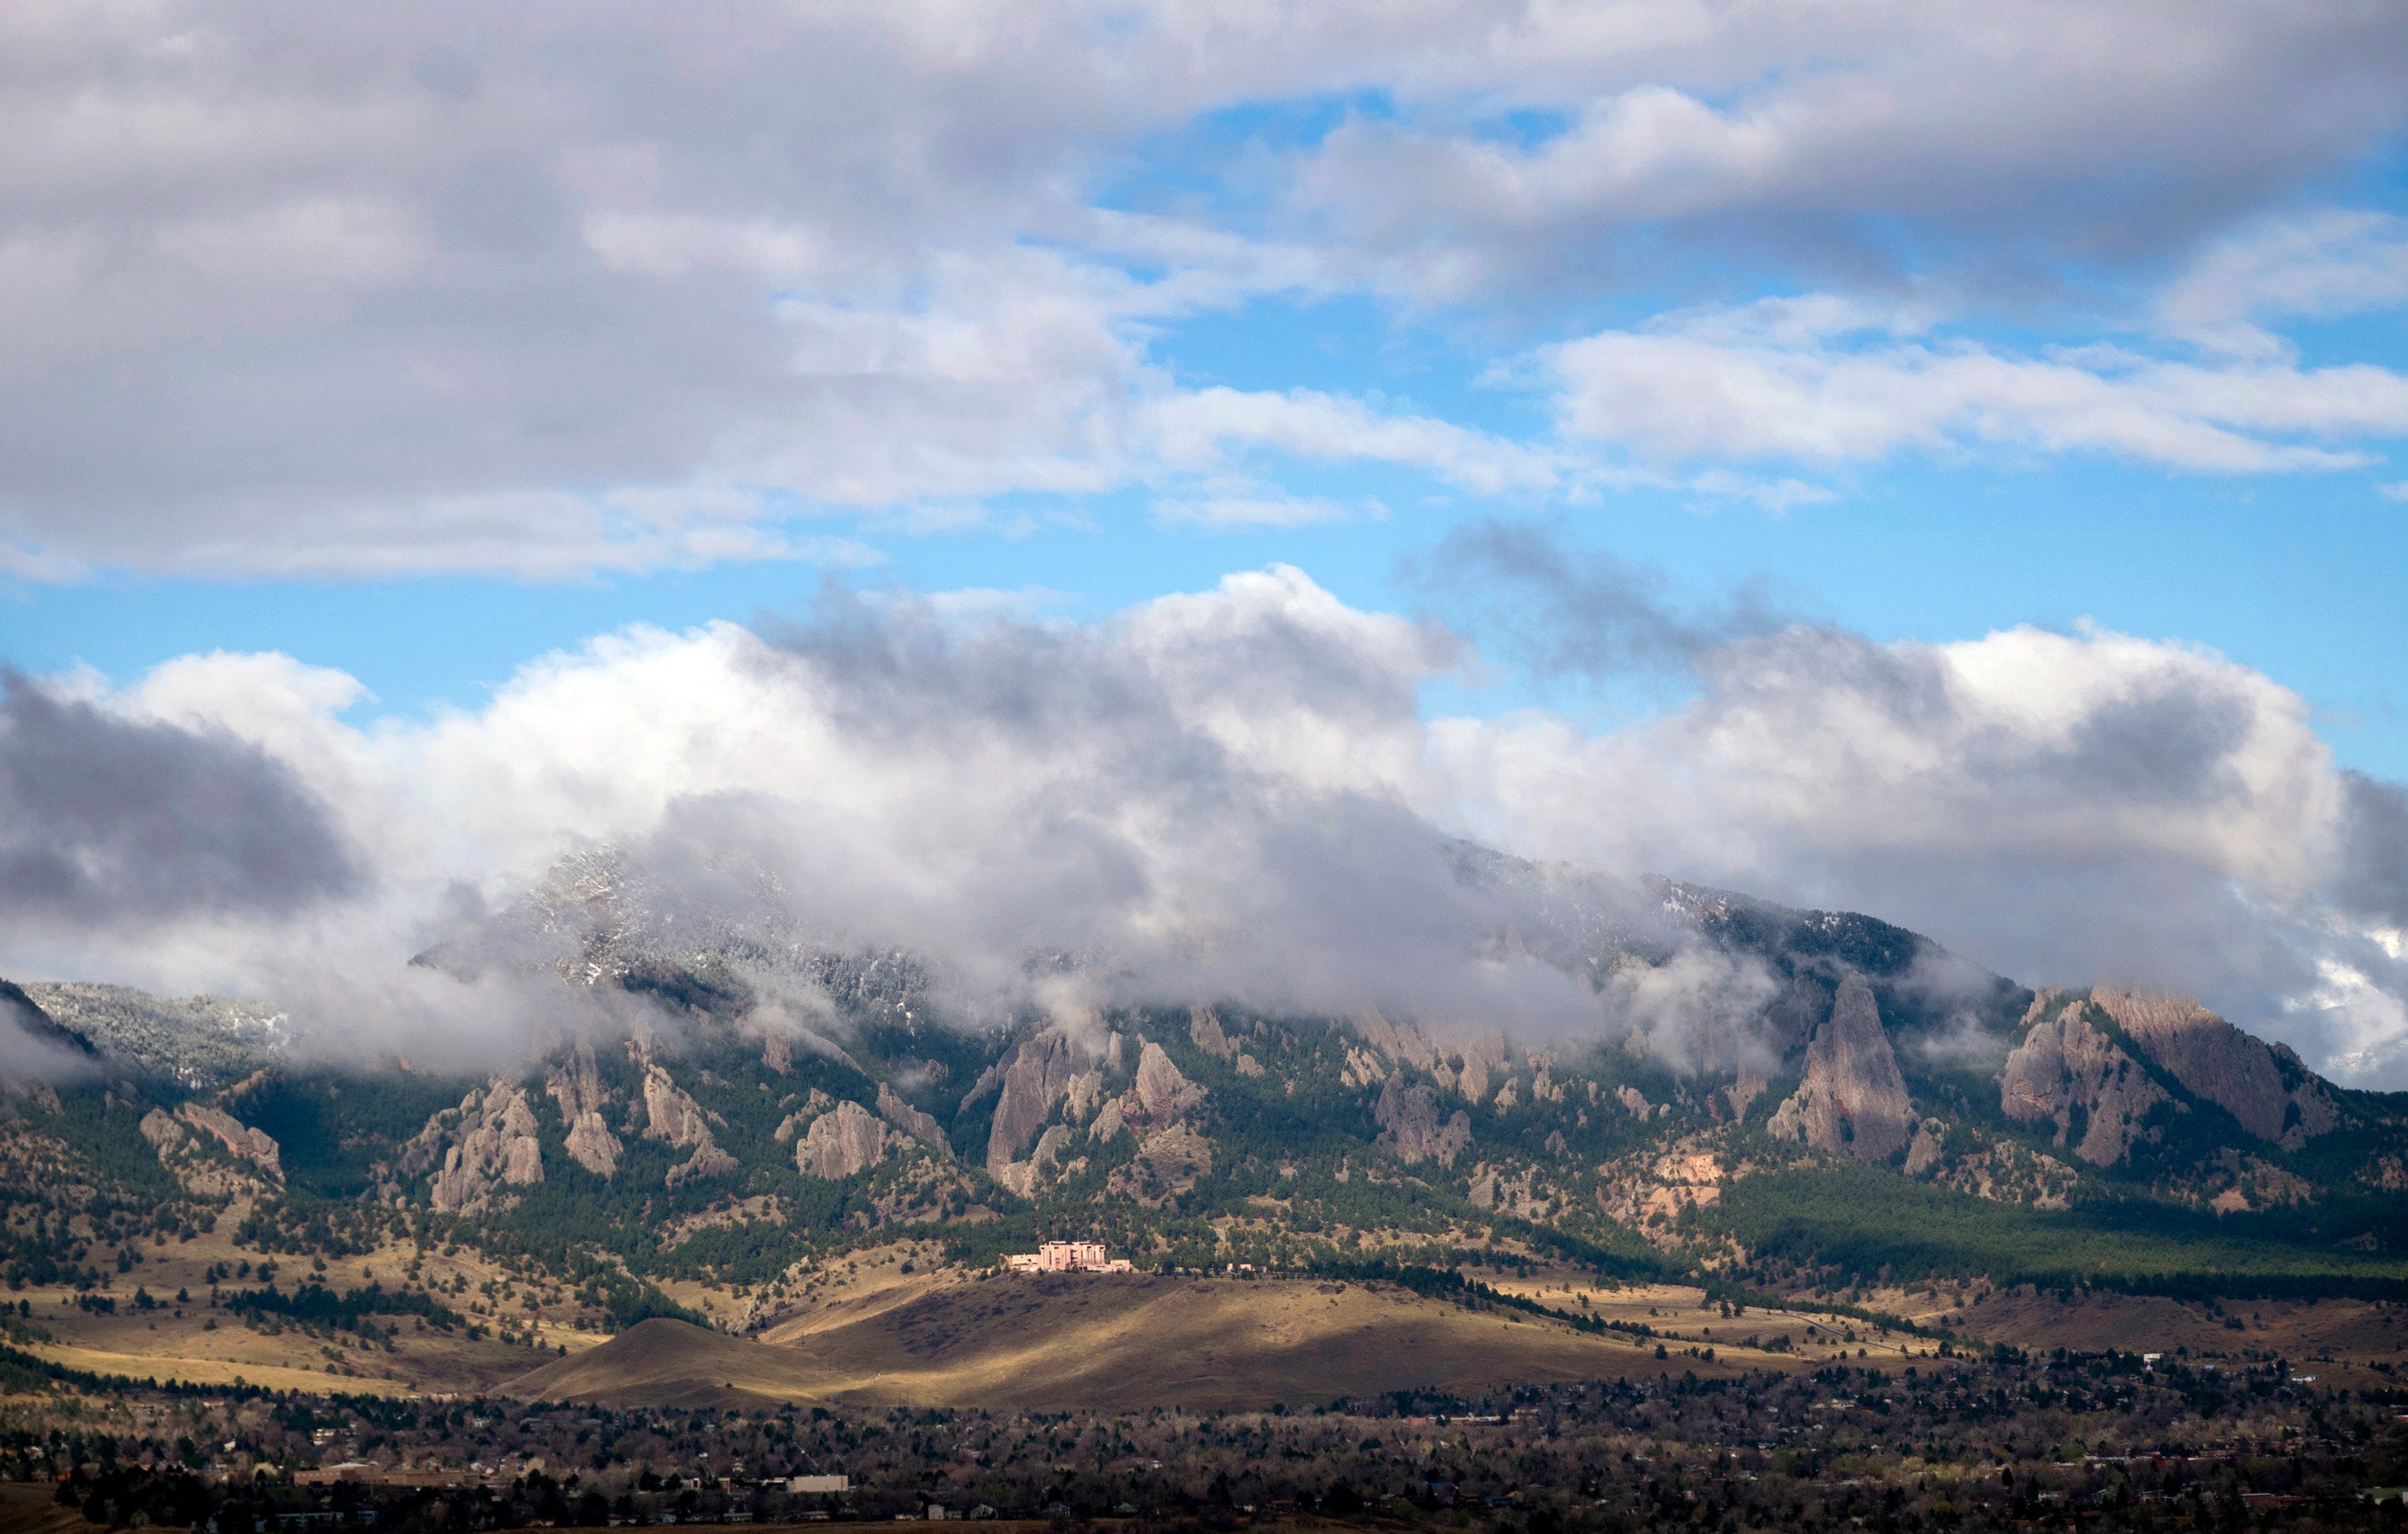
[1074,1342]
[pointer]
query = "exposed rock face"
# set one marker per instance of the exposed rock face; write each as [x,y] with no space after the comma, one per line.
[1745,1091]
[1929,1149]
[2262,1085]
[1204,1027]
[672,1116]
[180,1154]
[240,1141]
[1403,1043]
[1473,1080]
[1169,1163]
[1853,1100]
[1050,1144]
[488,1141]
[921,1126]
[576,1085]
[842,1143]
[1161,1091]
[2066,1064]
[1153,1106]
[800,1119]
[1039,1071]
[708,1160]
[1410,1128]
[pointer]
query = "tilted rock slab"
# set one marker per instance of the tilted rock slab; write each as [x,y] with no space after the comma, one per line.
[1853,1100]
[488,1141]
[577,1086]
[843,1142]
[2066,1062]
[1410,1129]
[2265,1086]
[1038,1073]
[921,1126]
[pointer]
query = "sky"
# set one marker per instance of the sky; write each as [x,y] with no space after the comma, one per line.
[1936,461]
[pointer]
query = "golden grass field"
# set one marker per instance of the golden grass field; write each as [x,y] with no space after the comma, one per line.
[862,1329]
[162,1344]
[1072,1340]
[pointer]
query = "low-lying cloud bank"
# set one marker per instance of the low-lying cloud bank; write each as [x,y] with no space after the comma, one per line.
[1232,791]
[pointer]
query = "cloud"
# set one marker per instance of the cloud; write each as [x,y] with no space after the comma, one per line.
[2062,808]
[1564,610]
[109,822]
[2319,266]
[1236,791]
[570,291]
[2375,873]
[1224,508]
[1811,135]
[1827,382]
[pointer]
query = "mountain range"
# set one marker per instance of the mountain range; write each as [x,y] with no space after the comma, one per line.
[1845,1103]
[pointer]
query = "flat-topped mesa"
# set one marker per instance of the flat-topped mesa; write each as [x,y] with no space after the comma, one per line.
[1066,1257]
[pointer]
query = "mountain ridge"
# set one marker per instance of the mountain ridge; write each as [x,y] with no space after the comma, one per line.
[782,1101]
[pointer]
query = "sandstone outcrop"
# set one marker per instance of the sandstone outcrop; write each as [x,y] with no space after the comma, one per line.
[675,1119]
[487,1143]
[1168,1164]
[239,1140]
[576,1085]
[1204,1027]
[921,1126]
[1853,1100]
[1038,1071]
[2264,1087]
[2068,1065]
[707,1161]
[843,1142]
[1410,1127]
[1930,1148]
[1162,1093]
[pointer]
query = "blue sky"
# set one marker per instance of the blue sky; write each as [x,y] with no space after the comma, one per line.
[413,351]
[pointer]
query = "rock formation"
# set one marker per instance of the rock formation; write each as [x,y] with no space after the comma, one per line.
[239,1140]
[1204,1027]
[707,1161]
[1168,1164]
[576,1085]
[1931,1148]
[675,1118]
[1410,1128]
[921,1126]
[1035,1075]
[1162,1093]
[2068,1065]
[486,1142]
[2264,1087]
[1853,1100]
[844,1141]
